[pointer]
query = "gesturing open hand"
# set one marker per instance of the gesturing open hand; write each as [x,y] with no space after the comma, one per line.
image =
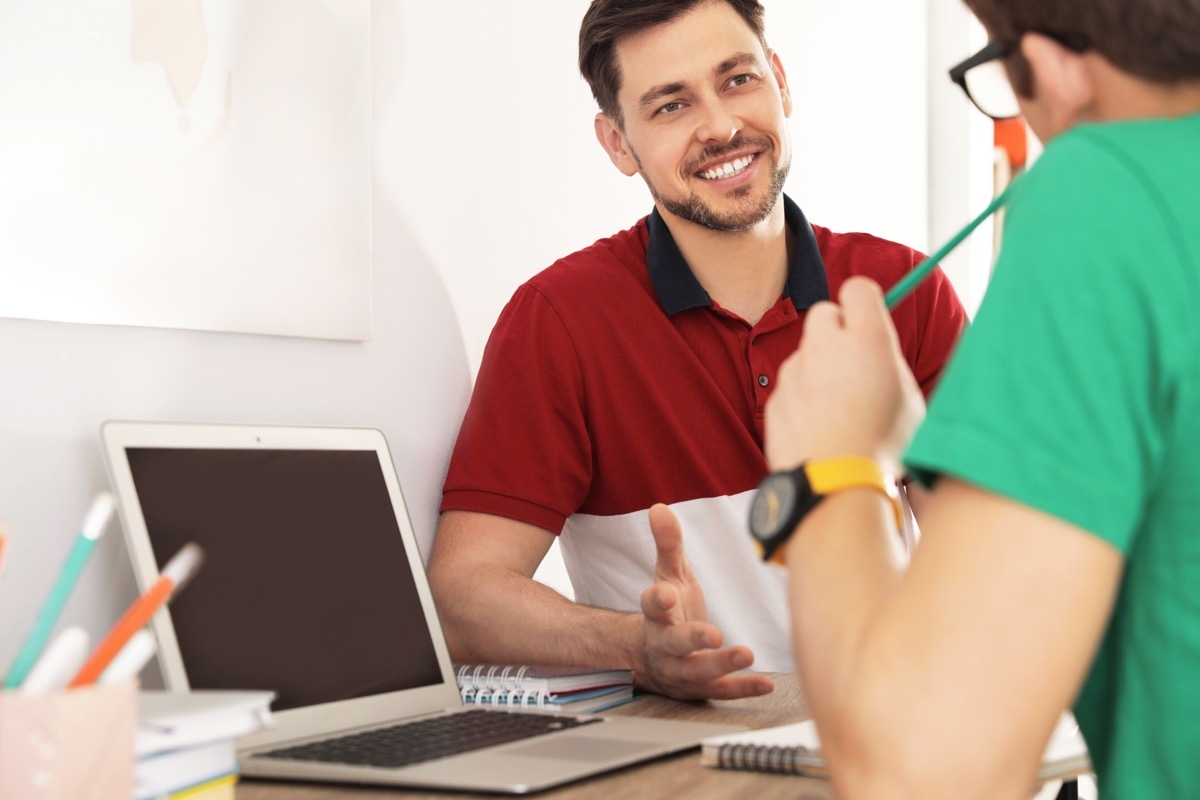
[682,655]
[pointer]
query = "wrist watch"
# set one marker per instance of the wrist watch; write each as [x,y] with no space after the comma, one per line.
[785,497]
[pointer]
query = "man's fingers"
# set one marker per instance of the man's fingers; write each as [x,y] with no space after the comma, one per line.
[862,303]
[685,638]
[706,666]
[733,687]
[820,318]
[865,310]
[860,293]
[723,687]
[668,539]
[657,602]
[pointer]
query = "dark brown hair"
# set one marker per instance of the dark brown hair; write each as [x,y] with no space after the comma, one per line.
[608,21]
[1156,40]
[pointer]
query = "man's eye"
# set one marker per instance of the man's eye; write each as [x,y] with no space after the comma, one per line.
[670,108]
[740,80]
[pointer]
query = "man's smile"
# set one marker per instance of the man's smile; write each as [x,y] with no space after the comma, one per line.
[727,169]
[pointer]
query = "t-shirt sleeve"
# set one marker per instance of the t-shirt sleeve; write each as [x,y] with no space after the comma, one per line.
[523,451]
[1057,394]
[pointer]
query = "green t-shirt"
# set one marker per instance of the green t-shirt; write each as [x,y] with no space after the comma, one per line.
[1077,392]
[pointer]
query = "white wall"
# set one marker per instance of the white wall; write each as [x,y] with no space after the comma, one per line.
[58,382]
[960,144]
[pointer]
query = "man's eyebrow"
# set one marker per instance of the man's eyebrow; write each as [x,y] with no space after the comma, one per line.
[656,93]
[736,62]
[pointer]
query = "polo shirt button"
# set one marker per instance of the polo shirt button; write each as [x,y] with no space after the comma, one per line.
[763,380]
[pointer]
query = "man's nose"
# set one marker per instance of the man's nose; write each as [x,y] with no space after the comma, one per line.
[717,123]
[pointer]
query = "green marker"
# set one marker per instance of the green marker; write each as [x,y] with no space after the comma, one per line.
[920,272]
[93,525]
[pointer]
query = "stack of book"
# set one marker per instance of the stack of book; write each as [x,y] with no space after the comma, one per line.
[571,690]
[186,743]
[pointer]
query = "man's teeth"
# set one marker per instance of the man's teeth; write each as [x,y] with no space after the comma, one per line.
[728,169]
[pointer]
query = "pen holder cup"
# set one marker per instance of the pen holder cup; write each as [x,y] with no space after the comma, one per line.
[68,745]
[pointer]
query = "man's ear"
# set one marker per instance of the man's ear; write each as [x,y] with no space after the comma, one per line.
[612,139]
[781,80]
[1062,80]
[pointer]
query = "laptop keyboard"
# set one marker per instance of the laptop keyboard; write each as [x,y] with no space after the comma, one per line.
[427,739]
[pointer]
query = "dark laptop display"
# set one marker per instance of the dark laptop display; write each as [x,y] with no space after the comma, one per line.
[305,588]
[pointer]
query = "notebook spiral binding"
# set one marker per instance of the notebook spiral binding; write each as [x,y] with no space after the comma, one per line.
[497,686]
[763,758]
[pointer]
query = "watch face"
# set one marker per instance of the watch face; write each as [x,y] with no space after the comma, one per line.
[773,505]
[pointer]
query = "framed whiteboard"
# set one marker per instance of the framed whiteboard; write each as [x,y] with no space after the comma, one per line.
[201,164]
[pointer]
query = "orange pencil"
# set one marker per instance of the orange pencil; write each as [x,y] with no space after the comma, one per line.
[176,573]
[3,545]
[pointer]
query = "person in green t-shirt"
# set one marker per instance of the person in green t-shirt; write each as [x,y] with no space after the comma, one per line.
[1060,554]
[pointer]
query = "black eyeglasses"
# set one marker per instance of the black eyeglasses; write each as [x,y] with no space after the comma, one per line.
[985,82]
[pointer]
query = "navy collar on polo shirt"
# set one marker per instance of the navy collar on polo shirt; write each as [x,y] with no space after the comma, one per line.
[676,284]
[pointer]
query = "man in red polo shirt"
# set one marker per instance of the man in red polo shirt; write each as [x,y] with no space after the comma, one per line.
[636,371]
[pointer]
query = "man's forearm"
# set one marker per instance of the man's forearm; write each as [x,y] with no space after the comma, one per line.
[845,562]
[493,615]
[493,611]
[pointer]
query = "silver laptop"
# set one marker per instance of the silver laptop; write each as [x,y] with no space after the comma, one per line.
[313,587]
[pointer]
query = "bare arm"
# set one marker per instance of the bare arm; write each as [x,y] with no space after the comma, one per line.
[481,572]
[914,678]
[945,680]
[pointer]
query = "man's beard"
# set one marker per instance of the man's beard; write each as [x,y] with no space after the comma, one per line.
[694,209]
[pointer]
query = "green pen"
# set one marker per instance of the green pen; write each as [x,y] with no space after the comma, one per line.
[920,272]
[93,525]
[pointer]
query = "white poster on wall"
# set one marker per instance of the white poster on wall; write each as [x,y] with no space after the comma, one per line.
[200,164]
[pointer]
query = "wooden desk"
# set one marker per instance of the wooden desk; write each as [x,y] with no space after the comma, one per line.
[678,777]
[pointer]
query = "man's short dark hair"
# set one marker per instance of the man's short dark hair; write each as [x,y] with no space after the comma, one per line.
[1155,40]
[608,21]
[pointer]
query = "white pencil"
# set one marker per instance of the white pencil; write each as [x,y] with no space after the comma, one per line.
[58,663]
[132,658]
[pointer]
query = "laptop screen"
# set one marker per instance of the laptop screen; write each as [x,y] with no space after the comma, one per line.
[305,589]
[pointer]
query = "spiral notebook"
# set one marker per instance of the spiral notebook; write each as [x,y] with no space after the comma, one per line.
[796,749]
[569,689]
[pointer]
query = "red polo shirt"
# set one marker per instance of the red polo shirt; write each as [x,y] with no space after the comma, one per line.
[612,381]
